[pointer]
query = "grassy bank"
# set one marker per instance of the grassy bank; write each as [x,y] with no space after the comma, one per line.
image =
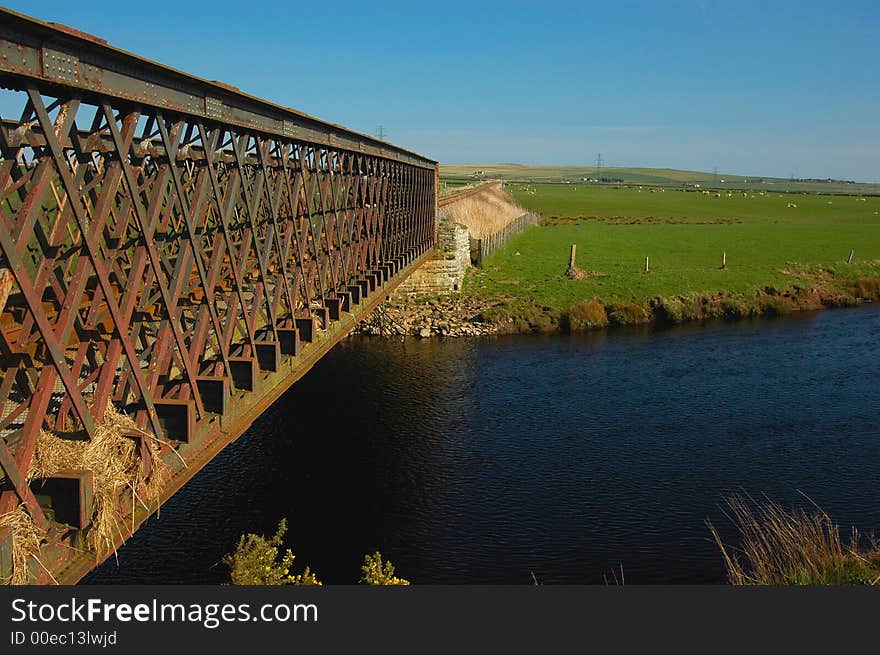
[779,258]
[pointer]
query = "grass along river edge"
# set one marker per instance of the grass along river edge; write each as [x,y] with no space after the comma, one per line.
[469,314]
[733,257]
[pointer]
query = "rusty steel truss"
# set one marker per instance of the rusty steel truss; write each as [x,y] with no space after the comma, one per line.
[175,247]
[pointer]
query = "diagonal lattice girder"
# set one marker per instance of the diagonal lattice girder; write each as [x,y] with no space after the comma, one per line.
[157,230]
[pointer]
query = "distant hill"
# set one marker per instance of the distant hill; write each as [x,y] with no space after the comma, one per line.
[651,176]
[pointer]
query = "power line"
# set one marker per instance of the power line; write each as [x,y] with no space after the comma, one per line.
[380,133]
[599,166]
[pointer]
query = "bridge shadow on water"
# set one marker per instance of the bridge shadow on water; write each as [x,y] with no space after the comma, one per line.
[478,461]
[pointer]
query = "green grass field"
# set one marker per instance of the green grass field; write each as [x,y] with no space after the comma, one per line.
[456,174]
[684,234]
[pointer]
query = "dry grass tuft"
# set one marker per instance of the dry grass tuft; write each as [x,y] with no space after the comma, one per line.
[586,315]
[867,288]
[485,213]
[781,547]
[116,467]
[26,540]
[628,313]
[575,273]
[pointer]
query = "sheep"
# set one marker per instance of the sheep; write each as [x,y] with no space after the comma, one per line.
[791,204]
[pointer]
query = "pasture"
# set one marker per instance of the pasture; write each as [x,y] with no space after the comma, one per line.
[767,242]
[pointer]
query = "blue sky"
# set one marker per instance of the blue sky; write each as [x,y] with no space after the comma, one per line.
[782,88]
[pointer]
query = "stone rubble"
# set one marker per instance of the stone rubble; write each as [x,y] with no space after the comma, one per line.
[451,316]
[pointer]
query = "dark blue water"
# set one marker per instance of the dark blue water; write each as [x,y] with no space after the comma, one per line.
[480,461]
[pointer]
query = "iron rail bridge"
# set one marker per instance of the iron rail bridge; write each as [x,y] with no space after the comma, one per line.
[176,248]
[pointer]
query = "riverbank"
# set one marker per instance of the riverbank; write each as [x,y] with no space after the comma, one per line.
[661,256]
[465,315]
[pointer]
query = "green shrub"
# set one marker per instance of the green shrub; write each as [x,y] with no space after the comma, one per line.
[523,316]
[256,561]
[673,310]
[694,308]
[734,309]
[775,306]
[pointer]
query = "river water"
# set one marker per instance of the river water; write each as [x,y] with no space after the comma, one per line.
[484,460]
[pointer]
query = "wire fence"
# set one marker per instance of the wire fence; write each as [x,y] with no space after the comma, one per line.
[485,246]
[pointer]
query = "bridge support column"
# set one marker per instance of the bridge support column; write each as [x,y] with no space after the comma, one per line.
[66,497]
[268,355]
[215,393]
[323,315]
[306,328]
[244,374]
[143,449]
[345,301]
[333,306]
[177,418]
[288,340]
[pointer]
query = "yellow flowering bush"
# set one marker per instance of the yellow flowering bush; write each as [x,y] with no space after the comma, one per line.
[377,572]
[256,561]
